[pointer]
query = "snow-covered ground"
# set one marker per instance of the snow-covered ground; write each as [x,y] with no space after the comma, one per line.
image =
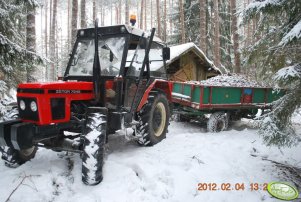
[168,171]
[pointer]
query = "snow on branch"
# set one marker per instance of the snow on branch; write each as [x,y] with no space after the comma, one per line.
[3,87]
[260,5]
[285,73]
[13,47]
[295,32]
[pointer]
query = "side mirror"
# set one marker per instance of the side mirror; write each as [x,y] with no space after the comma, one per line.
[166,53]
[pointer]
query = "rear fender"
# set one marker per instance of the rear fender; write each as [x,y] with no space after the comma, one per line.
[159,85]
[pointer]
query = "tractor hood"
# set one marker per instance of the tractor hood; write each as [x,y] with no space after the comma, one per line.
[60,87]
[47,103]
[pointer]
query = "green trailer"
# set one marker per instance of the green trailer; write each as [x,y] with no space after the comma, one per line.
[224,103]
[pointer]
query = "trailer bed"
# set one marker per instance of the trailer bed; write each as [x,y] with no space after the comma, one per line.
[205,97]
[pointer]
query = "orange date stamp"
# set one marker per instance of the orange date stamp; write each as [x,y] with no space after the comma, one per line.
[232,186]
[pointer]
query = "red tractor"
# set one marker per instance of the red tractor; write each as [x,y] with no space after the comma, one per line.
[115,79]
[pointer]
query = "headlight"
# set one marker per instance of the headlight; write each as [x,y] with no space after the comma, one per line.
[33,106]
[22,105]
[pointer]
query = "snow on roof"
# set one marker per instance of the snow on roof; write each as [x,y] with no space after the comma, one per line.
[178,50]
[234,80]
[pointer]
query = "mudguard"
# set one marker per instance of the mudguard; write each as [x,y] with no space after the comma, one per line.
[158,84]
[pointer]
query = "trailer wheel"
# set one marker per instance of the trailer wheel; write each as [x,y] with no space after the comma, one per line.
[14,158]
[217,122]
[94,139]
[153,120]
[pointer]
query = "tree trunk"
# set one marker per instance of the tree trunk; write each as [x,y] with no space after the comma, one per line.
[158,19]
[203,34]
[68,27]
[141,14]
[170,16]
[235,37]
[53,42]
[30,39]
[94,10]
[111,9]
[151,10]
[182,21]
[74,20]
[50,17]
[145,15]
[217,56]
[46,28]
[165,22]
[119,14]
[102,15]
[126,16]
[83,14]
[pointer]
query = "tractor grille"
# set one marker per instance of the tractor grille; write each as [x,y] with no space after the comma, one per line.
[27,113]
[57,108]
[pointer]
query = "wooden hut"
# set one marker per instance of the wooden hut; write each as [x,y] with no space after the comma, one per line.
[187,62]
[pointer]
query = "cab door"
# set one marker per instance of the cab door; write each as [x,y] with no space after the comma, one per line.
[137,74]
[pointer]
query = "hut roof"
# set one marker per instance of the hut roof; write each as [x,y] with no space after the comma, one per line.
[177,51]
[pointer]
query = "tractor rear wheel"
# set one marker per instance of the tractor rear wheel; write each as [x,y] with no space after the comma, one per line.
[217,122]
[153,120]
[93,148]
[14,158]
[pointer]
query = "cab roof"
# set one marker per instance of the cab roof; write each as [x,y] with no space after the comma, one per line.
[115,30]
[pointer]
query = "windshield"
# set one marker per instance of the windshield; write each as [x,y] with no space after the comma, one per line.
[82,63]
[110,51]
[135,60]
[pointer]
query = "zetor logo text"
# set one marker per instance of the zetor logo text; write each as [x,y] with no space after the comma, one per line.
[283,191]
[67,91]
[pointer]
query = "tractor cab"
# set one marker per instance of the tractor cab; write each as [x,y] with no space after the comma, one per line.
[116,59]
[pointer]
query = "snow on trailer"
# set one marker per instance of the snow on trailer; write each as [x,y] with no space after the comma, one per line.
[234,80]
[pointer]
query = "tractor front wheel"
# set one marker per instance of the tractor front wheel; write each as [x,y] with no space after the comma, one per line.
[14,158]
[153,120]
[94,139]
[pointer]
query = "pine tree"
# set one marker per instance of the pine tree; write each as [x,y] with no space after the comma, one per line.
[278,49]
[14,57]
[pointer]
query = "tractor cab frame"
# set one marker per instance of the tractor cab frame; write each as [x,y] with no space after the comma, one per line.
[121,61]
